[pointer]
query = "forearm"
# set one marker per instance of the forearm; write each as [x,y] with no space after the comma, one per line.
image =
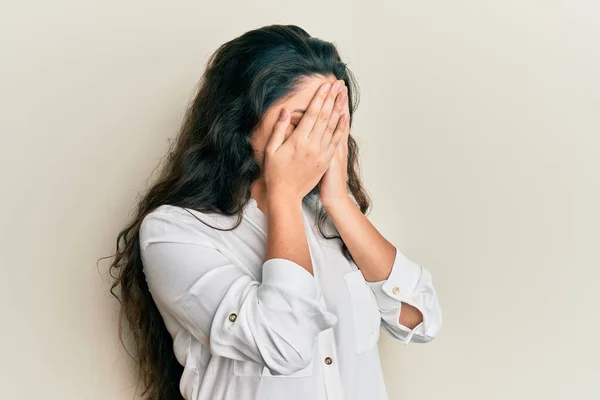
[370,250]
[286,235]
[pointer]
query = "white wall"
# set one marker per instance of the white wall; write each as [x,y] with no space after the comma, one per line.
[479,125]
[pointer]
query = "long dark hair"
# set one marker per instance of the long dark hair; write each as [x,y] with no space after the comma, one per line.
[210,168]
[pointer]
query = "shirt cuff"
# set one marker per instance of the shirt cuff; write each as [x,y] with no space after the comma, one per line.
[400,284]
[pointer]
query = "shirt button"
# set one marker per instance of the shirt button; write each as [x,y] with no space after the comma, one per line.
[396,290]
[328,360]
[232,317]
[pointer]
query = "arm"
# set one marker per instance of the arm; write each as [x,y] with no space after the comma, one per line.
[403,289]
[287,237]
[274,322]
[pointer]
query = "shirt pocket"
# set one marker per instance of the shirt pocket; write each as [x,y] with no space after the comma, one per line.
[365,311]
[249,368]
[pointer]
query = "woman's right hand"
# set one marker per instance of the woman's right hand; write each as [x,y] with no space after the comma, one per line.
[294,167]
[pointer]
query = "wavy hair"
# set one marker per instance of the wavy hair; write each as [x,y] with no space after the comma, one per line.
[210,168]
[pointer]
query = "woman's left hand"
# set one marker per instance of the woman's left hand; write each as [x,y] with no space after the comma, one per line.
[332,185]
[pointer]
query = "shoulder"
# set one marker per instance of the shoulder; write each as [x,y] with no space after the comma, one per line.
[168,223]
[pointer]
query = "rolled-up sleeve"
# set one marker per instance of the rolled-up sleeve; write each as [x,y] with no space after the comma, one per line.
[412,284]
[274,322]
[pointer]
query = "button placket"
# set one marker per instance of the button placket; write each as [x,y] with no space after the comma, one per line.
[331,375]
[326,339]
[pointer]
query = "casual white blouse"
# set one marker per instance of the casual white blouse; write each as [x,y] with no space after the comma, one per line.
[244,328]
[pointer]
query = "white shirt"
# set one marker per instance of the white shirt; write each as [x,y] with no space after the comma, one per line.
[245,329]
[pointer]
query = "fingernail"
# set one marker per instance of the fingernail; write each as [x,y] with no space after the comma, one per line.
[336,85]
[283,114]
[325,87]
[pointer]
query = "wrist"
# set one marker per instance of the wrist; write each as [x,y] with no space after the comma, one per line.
[341,202]
[277,196]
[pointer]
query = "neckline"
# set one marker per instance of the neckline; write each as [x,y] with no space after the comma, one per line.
[255,215]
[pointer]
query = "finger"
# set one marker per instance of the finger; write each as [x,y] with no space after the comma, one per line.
[336,113]
[311,114]
[278,135]
[325,115]
[346,132]
[347,112]
[336,138]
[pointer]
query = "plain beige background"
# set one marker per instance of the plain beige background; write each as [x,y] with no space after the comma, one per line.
[480,131]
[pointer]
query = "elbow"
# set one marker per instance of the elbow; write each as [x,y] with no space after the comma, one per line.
[431,331]
[290,341]
[289,367]
[410,316]
[434,330]
[430,322]
[433,325]
[423,329]
[293,354]
[290,361]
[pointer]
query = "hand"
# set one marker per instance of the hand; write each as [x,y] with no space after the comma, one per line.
[296,165]
[332,185]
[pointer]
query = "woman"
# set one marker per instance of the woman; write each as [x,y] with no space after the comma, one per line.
[218,308]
